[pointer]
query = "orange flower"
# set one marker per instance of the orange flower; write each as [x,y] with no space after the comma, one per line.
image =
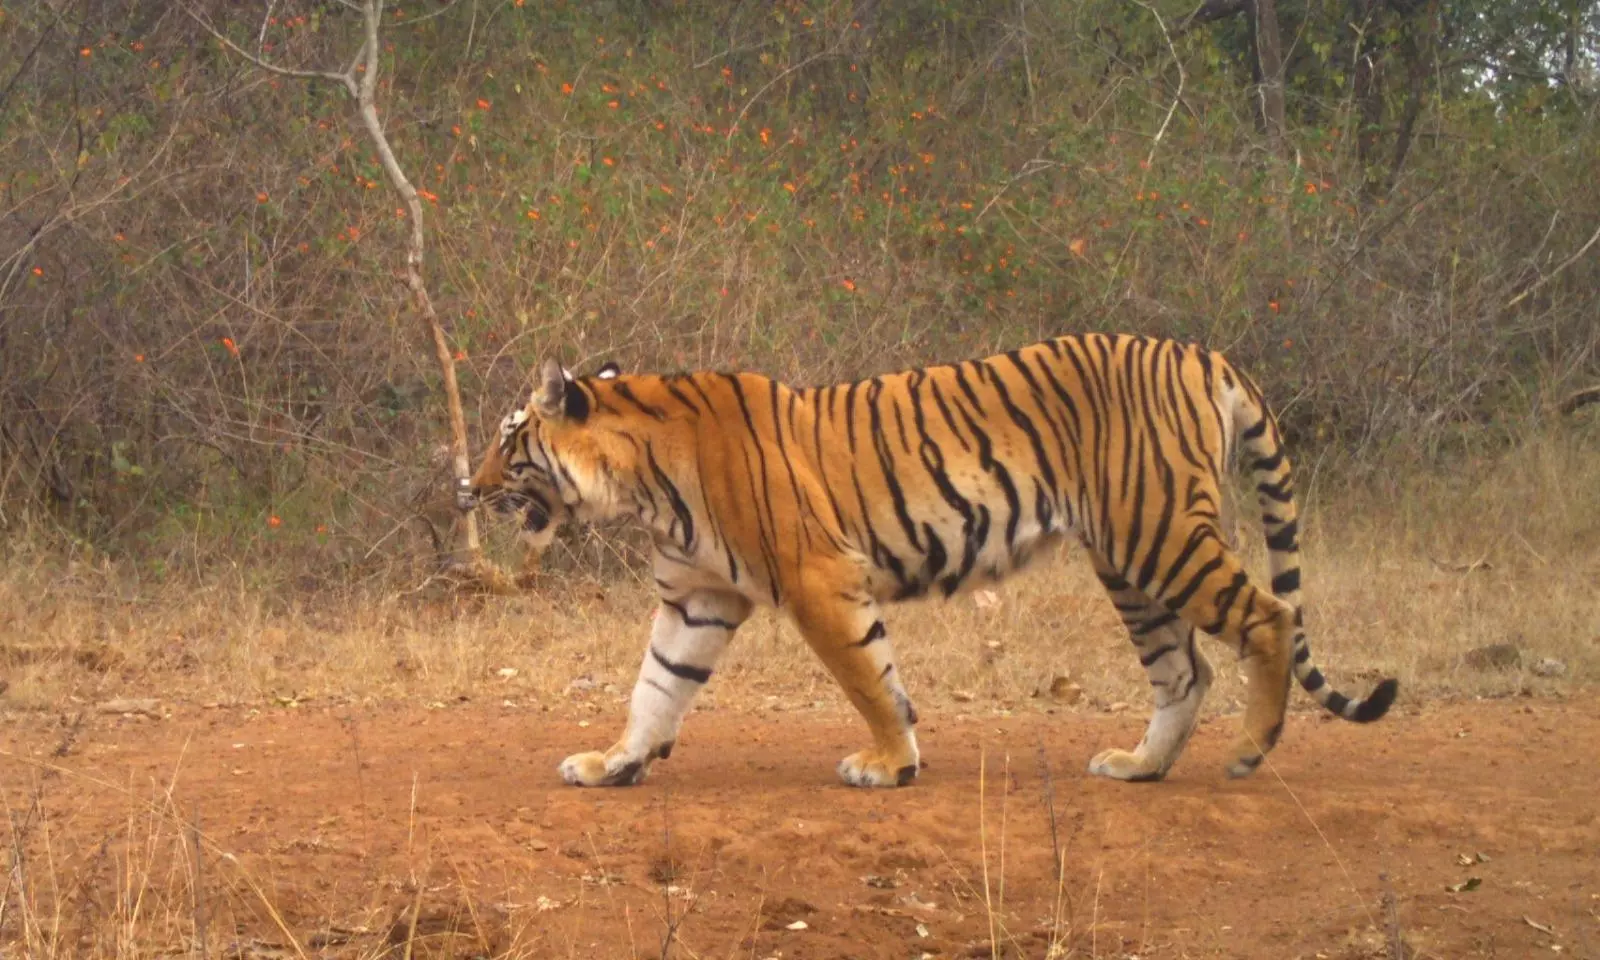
[533,214]
[927,159]
[322,528]
[1203,222]
[766,136]
[613,104]
[1288,344]
[261,196]
[38,271]
[274,521]
[1077,246]
[727,73]
[483,104]
[1272,305]
[426,195]
[1310,187]
[232,348]
[789,187]
[608,161]
[138,358]
[86,53]
[848,284]
[456,130]
[566,88]
[304,247]
[666,189]
[355,233]
[461,355]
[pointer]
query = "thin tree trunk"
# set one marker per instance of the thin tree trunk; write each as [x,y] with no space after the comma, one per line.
[1269,58]
[367,103]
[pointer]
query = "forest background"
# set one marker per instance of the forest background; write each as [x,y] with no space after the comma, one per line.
[225,458]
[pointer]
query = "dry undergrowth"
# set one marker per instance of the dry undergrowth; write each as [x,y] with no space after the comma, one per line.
[1402,581]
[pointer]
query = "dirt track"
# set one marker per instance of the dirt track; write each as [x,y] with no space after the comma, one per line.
[316,807]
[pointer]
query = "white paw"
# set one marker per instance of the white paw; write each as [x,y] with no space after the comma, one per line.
[1122,765]
[597,770]
[869,768]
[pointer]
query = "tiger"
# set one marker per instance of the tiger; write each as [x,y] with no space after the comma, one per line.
[830,503]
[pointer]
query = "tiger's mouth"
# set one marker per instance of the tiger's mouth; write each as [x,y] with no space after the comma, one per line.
[536,515]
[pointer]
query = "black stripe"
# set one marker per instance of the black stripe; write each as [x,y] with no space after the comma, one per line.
[682,671]
[875,632]
[626,392]
[1149,658]
[1286,582]
[698,622]
[1255,431]
[1281,492]
[1284,539]
[680,508]
[1268,464]
[1154,624]
[1337,702]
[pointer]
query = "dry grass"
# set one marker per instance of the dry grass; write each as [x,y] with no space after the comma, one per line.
[1401,579]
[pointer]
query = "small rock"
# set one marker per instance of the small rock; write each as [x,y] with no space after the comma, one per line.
[1495,656]
[1550,667]
[146,706]
[1065,691]
[797,925]
[962,696]
[538,845]
[506,673]
[1118,707]
[985,599]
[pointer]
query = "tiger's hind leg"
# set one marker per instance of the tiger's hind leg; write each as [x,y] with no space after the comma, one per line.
[850,638]
[691,630]
[1179,676]
[1208,587]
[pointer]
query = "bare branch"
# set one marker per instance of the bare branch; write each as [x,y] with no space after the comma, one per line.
[1208,11]
[343,79]
[429,16]
[1554,273]
[1182,77]
[1579,400]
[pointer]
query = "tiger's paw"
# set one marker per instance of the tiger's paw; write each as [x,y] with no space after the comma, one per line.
[1122,765]
[873,768]
[595,769]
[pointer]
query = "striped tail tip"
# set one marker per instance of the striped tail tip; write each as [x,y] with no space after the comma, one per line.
[1377,702]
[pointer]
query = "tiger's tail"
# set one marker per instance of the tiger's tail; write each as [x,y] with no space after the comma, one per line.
[1261,450]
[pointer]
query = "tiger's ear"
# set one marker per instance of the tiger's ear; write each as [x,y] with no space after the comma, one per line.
[550,390]
[608,371]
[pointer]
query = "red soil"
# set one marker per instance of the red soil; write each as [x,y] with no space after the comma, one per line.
[1346,843]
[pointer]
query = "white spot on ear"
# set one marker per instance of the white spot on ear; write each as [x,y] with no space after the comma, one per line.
[609,371]
[566,373]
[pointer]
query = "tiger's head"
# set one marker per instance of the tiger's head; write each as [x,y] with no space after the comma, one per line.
[520,472]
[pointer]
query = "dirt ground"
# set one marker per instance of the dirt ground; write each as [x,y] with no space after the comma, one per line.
[325,826]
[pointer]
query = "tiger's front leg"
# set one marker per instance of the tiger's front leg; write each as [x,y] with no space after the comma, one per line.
[851,639]
[691,630]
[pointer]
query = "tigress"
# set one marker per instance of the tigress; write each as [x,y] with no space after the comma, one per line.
[830,502]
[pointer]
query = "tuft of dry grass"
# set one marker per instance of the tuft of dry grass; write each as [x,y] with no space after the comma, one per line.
[1403,577]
